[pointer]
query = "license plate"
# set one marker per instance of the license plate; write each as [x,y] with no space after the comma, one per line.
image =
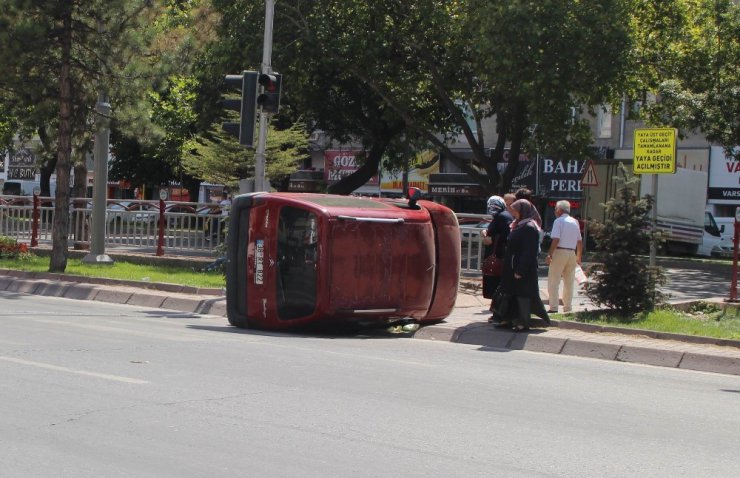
[259,260]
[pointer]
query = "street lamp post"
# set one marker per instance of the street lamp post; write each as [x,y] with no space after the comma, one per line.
[97,253]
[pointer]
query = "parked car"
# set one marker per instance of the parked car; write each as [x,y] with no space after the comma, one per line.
[190,216]
[132,212]
[466,231]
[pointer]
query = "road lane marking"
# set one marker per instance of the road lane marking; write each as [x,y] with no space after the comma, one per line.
[57,368]
[9,342]
[180,337]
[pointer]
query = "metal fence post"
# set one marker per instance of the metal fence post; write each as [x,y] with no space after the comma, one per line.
[35,220]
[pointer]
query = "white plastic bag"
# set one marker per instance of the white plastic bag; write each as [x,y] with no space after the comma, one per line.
[581,276]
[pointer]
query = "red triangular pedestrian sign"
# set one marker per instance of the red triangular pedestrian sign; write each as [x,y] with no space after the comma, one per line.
[589,175]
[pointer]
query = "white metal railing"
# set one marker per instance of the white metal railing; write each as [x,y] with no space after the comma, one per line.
[471,241]
[188,227]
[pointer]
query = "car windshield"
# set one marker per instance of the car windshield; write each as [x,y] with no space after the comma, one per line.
[297,250]
[710,225]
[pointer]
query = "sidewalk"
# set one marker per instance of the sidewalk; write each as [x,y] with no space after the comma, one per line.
[466,325]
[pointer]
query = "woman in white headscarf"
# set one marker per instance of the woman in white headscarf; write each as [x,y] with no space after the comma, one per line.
[494,240]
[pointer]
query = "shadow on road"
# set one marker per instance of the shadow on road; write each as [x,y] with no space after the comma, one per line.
[325,332]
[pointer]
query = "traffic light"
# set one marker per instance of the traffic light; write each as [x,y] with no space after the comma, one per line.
[246,106]
[269,99]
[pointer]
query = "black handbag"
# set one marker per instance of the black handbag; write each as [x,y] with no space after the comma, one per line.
[501,305]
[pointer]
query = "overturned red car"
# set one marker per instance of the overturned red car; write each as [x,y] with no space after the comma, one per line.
[303,259]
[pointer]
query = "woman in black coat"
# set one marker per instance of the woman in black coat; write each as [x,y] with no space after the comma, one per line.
[497,233]
[519,280]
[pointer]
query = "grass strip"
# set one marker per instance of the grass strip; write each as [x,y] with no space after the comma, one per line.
[702,319]
[122,270]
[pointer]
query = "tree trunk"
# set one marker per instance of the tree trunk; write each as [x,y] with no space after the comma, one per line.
[79,187]
[48,164]
[45,178]
[369,168]
[79,191]
[60,229]
[519,124]
[192,185]
[497,157]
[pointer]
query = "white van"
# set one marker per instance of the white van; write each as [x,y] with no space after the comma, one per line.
[19,187]
[15,187]
[714,243]
[728,233]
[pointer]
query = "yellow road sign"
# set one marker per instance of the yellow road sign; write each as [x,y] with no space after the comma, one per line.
[655,151]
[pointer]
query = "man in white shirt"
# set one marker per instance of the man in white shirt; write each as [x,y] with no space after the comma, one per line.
[563,257]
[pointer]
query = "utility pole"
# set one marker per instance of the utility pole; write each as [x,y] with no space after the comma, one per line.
[260,184]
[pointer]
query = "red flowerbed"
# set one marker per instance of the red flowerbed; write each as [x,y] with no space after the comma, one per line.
[12,248]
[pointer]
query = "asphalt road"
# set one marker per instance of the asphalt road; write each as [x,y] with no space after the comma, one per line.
[93,389]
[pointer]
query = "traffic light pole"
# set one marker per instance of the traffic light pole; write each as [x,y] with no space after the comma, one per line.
[260,183]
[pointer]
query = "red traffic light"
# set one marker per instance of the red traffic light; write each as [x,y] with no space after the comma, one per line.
[269,82]
[269,99]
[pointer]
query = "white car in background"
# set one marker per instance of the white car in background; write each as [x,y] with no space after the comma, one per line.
[132,212]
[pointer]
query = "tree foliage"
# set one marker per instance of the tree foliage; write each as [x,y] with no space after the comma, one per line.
[687,57]
[155,158]
[431,71]
[621,280]
[220,159]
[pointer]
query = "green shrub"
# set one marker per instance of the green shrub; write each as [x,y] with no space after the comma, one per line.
[620,279]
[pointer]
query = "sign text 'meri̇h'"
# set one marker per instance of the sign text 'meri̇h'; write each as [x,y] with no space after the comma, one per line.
[654,151]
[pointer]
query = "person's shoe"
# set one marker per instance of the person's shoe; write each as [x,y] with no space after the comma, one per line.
[504,324]
[520,328]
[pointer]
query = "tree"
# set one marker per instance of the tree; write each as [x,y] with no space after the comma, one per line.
[220,159]
[155,157]
[687,57]
[434,70]
[149,142]
[620,279]
[58,56]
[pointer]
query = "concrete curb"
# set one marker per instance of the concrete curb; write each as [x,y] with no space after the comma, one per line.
[693,339]
[142,294]
[607,347]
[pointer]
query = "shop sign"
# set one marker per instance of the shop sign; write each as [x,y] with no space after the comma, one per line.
[28,174]
[303,186]
[561,178]
[455,190]
[22,165]
[724,177]
[341,163]
[418,176]
[526,172]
